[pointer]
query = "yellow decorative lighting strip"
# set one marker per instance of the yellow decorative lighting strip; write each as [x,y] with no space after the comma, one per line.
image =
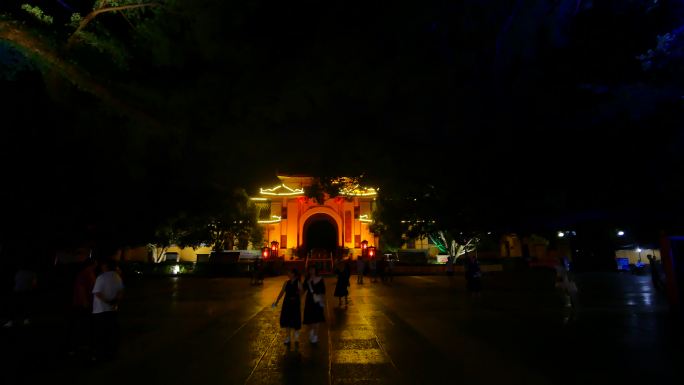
[357,191]
[275,220]
[365,218]
[288,191]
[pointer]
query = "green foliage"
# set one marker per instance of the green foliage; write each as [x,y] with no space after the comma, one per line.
[38,13]
[105,44]
[233,221]
[256,236]
[75,20]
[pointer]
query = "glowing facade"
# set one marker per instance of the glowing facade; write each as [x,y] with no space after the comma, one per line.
[294,220]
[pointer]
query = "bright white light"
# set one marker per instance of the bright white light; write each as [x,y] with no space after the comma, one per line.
[561,234]
[621,233]
[638,249]
[175,269]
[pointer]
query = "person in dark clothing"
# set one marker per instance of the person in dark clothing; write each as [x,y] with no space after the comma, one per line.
[22,300]
[79,328]
[381,268]
[314,303]
[473,275]
[360,265]
[655,273]
[390,269]
[257,272]
[290,314]
[342,286]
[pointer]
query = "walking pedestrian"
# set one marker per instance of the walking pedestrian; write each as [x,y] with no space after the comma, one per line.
[360,265]
[655,273]
[373,266]
[25,283]
[107,294]
[342,285]
[381,268]
[450,266]
[390,269]
[314,303]
[568,286]
[473,275]
[79,328]
[291,312]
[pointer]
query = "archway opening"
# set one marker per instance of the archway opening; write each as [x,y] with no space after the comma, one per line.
[320,232]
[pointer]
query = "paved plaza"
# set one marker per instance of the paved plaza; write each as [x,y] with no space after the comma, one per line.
[416,330]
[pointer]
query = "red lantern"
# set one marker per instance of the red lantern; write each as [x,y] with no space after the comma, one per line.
[364,248]
[274,248]
[265,252]
[371,251]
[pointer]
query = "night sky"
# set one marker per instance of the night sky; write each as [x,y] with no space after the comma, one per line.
[529,112]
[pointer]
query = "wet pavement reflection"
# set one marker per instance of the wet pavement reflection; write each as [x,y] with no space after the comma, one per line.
[418,330]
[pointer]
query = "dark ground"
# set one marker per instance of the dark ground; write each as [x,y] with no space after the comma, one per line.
[420,329]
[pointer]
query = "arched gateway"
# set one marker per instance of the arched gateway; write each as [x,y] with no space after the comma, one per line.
[300,224]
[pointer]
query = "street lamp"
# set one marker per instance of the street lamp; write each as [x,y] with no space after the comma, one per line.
[561,234]
[371,252]
[364,248]
[620,233]
[265,252]
[274,248]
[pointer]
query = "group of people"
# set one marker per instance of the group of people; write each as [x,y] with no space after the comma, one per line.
[377,267]
[93,321]
[313,288]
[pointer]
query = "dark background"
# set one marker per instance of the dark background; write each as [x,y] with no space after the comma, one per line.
[530,113]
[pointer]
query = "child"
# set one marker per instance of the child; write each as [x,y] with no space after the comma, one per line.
[290,315]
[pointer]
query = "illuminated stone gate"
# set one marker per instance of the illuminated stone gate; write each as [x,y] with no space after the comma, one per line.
[299,223]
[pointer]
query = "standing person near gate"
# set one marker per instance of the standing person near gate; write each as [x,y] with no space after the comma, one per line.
[360,265]
[342,285]
[373,267]
[291,312]
[473,275]
[25,284]
[107,294]
[314,303]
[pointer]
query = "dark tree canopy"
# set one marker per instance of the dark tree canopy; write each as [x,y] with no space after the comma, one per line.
[522,111]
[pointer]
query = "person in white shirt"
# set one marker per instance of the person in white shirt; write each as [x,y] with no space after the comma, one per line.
[107,294]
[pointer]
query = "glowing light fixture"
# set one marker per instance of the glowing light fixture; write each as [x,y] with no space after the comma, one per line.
[358,191]
[561,234]
[365,218]
[620,233]
[258,199]
[638,250]
[281,190]
[274,219]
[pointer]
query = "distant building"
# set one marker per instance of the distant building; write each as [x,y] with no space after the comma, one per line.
[300,224]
